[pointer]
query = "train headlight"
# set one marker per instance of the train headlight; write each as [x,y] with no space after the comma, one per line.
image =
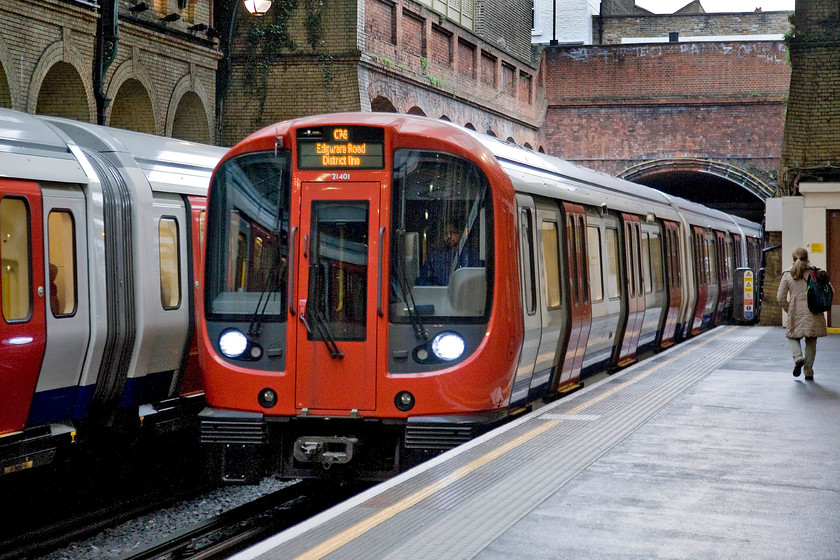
[267,398]
[232,343]
[448,346]
[404,401]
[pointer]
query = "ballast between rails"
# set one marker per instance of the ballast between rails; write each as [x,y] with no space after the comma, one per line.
[424,282]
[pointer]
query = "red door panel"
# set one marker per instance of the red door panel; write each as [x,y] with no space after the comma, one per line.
[23,288]
[191,382]
[635,290]
[581,306]
[337,307]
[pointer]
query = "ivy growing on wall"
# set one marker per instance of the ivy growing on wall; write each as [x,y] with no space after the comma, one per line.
[269,38]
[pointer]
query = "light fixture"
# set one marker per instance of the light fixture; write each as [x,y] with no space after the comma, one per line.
[257,7]
[448,346]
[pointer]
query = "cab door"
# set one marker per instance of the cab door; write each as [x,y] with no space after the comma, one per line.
[23,295]
[337,314]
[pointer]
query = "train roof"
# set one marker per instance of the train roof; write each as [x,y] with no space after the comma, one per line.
[538,173]
[29,149]
[169,164]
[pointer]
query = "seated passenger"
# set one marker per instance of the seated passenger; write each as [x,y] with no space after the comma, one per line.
[55,304]
[439,262]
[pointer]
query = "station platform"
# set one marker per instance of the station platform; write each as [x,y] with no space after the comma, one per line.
[711,449]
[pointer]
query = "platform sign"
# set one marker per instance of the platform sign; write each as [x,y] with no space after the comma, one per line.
[749,295]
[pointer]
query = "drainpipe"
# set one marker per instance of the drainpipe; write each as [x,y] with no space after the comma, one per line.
[105,51]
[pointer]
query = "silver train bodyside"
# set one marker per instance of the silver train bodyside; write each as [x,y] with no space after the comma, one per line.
[98,310]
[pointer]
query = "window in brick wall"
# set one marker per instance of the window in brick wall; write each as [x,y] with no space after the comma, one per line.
[466,58]
[488,69]
[509,78]
[441,47]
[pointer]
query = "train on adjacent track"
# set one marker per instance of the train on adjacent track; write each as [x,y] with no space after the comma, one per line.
[379,288]
[100,254]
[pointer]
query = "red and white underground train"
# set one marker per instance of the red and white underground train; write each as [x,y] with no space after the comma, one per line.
[99,250]
[381,287]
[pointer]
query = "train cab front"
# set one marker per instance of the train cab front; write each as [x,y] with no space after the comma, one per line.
[358,316]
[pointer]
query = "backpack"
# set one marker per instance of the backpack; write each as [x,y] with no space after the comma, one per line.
[819,291]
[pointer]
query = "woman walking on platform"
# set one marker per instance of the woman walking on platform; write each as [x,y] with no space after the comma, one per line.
[800,321]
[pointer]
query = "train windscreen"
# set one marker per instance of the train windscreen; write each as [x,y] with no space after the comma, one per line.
[247,250]
[441,238]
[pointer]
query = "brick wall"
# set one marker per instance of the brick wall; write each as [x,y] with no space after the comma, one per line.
[46,54]
[610,30]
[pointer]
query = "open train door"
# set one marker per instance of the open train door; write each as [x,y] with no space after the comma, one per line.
[340,248]
[24,292]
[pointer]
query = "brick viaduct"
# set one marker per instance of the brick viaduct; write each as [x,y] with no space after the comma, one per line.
[690,118]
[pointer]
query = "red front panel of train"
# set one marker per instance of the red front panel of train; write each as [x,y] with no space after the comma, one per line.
[23,291]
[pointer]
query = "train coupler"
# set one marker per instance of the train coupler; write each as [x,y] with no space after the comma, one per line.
[325,450]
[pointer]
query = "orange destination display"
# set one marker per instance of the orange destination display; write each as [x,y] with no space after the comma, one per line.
[349,147]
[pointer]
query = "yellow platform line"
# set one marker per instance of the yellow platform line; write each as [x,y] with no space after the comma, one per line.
[346,536]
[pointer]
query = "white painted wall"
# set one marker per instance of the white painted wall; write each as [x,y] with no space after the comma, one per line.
[574,21]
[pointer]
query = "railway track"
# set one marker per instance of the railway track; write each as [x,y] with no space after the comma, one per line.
[238,528]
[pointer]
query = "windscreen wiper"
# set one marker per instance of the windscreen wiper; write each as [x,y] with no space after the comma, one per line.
[270,285]
[408,294]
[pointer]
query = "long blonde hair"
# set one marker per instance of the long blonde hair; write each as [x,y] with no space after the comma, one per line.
[800,263]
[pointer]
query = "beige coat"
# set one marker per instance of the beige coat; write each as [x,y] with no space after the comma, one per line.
[800,321]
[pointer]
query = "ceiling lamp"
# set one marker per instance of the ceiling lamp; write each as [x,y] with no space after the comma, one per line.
[257,7]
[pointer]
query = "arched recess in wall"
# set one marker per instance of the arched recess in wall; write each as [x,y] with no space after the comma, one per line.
[416,111]
[132,108]
[62,94]
[528,146]
[541,150]
[7,96]
[510,140]
[57,86]
[470,126]
[190,122]
[491,133]
[382,105]
[445,118]
[188,116]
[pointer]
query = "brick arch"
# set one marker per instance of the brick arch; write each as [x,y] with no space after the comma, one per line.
[381,104]
[416,111]
[55,54]
[133,73]
[187,88]
[8,88]
[718,169]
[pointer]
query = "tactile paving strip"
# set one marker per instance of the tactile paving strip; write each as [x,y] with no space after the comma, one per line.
[459,504]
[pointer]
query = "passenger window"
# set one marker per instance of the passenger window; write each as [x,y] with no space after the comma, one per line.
[551,246]
[15,255]
[596,284]
[62,266]
[613,284]
[573,260]
[170,271]
[646,278]
[526,236]
[581,251]
[657,270]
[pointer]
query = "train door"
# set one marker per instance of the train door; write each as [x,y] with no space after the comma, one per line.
[197,210]
[579,296]
[672,283]
[165,297]
[701,277]
[653,283]
[340,264]
[635,293]
[23,297]
[68,311]
[833,238]
[530,299]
